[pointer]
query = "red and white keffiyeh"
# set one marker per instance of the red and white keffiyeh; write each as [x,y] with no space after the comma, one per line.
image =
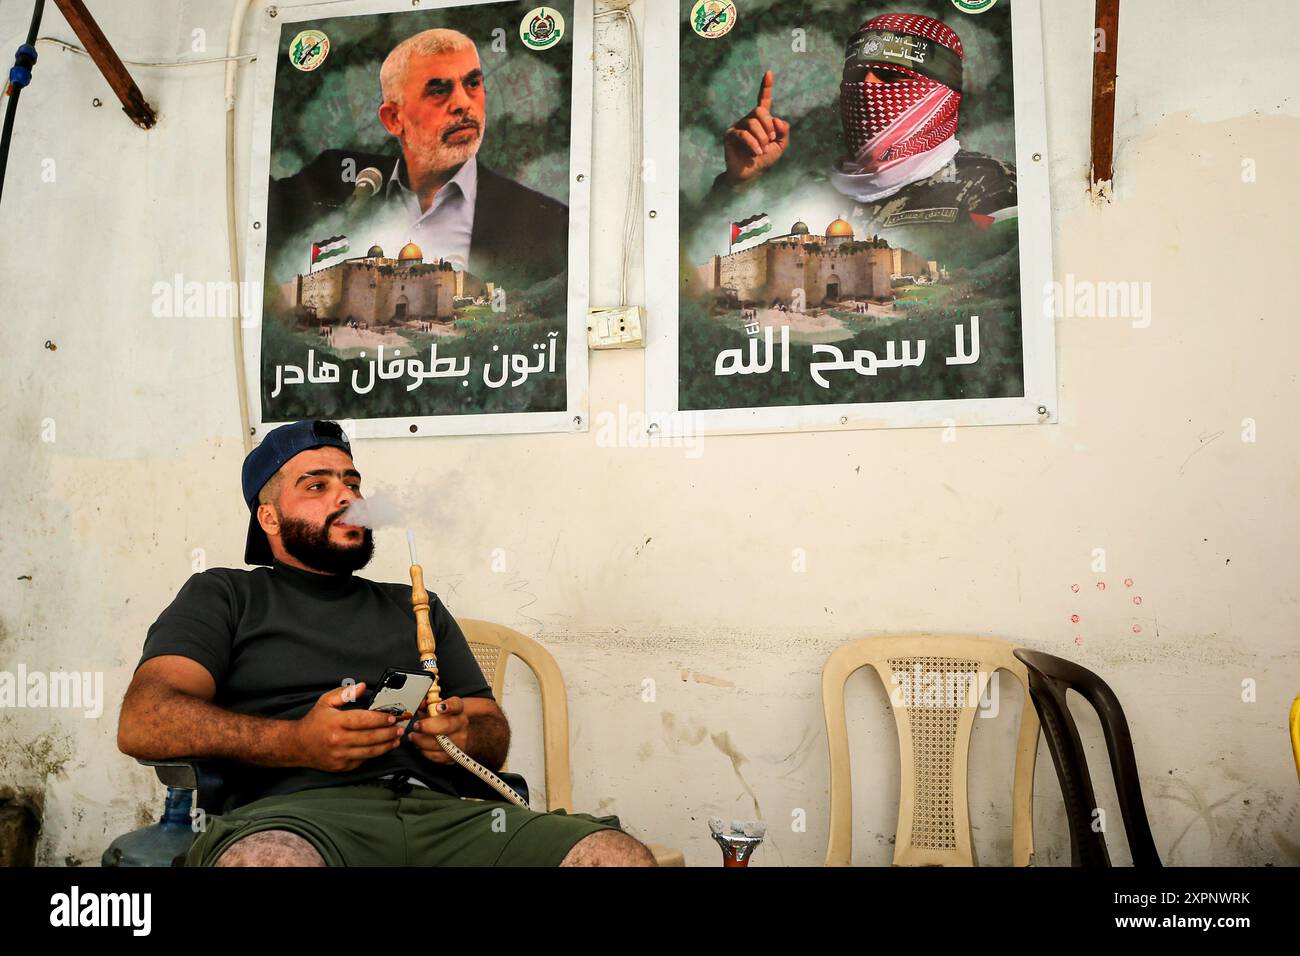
[901,131]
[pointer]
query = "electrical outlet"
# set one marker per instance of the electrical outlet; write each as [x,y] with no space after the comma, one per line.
[617,328]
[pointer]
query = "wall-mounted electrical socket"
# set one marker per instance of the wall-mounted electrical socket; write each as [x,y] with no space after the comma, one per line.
[617,328]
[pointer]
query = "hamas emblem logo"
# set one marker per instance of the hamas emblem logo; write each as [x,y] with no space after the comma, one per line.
[974,6]
[541,28]
[713,18]
[308,50]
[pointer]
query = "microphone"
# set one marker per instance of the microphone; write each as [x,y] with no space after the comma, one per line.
[369,182]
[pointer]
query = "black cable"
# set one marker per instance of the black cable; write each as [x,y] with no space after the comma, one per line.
[19,76]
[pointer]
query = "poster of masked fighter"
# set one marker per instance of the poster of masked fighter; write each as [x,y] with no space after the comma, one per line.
[418,216]
[850,222]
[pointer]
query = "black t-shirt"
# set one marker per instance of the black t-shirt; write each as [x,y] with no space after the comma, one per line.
[276,639]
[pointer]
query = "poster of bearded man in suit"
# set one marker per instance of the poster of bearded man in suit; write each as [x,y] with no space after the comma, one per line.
[419,216]
[850,218]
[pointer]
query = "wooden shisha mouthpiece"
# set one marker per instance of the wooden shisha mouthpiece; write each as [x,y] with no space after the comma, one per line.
[424,636]
[429,664]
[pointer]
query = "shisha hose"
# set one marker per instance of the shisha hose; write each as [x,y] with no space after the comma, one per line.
[429,663]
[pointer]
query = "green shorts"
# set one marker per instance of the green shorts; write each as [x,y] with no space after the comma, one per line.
[372,825]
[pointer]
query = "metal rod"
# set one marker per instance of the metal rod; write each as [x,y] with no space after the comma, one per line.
[1104,61]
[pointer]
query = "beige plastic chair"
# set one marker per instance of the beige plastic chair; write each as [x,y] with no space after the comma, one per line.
[492,646]
[933,741]
[1295,732]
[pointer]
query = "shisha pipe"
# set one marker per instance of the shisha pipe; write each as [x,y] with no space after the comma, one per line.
[429,663]
[739,842]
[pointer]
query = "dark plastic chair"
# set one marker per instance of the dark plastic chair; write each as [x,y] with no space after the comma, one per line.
[167,845]
[1049,679]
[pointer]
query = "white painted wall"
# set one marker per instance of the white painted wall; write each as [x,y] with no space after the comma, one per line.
[643,563]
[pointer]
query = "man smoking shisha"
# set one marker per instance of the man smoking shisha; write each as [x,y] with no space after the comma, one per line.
[250,670]
[900,97]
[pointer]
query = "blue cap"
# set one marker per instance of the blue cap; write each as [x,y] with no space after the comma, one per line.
[279,445]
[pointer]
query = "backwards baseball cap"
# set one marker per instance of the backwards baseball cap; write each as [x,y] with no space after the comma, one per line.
[279,445]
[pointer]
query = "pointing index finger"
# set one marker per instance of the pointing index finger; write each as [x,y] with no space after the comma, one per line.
[765,91]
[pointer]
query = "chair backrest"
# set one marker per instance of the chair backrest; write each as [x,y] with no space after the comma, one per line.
[935,683]
[492,646]
[1049,679]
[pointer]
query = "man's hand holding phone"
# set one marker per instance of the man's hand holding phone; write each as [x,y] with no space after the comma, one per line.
[333,739]
[449,720]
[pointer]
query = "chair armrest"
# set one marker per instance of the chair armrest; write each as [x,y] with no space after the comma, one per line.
[207,778]
[177,772]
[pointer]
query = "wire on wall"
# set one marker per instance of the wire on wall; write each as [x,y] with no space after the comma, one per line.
[73,48]
[232,67]
[631,215]
[232,59]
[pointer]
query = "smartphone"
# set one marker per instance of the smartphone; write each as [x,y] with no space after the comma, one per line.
[401,693]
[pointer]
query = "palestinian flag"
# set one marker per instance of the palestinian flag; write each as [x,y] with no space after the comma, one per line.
[749,228]
[328,248]
[1001,221]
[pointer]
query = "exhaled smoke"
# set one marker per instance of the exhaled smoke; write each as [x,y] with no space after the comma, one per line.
[374,512]
[407,505]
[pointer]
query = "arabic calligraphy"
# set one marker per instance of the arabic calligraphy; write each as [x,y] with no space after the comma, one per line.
[515,368]
[759,358]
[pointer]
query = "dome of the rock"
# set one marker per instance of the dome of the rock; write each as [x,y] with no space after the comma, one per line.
[839,228]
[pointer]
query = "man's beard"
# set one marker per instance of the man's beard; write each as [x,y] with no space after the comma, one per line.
[312,546]
[431,153]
